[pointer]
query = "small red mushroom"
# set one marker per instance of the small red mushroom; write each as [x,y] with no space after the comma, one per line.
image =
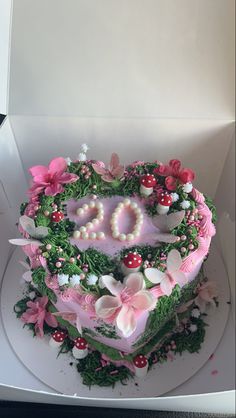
[131,263]
[80,349]
[140,365]
[57,216]
[164,202]
[57,338]
[147,182]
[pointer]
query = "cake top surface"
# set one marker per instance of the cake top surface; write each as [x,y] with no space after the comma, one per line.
[114,238]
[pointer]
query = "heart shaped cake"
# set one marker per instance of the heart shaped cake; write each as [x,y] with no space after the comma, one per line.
[114,263]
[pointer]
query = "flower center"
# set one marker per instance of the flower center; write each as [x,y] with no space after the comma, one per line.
[126,295]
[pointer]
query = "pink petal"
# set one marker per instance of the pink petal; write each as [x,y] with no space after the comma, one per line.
[38,170]
[164,170]
[108,177]
[118,172]
[171,183]
[66,178]
[114,286]
[42,301]
[78,324]
[41,180]
[134,282]
[143,300]
[114,162]
[57,166]
[156,291]
[53,189]
[51,320]
[186,175]
[166,286]
[180,278]
[126,321]
[174,261]
[175,166]
[98,169]
[106,306]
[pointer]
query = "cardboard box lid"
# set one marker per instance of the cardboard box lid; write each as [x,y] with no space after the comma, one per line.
[132,58]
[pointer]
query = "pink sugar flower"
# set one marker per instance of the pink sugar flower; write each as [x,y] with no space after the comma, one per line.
[128,301]
[113,172]
[36,260]
[50,179]
[173,172]
[37,314]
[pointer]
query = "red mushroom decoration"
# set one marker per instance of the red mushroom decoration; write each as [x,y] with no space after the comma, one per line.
[57,216]
[164,202]
[57,338]
[147,182]
[131,263]
[80,349]
[140,365]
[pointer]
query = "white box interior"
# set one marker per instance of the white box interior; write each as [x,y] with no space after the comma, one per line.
[149,79]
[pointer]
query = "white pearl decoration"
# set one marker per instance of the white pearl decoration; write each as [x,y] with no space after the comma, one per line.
[84,231]
[138,224]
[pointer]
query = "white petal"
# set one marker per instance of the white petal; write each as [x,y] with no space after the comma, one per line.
[27,276]
[106,306]
[63,279]
[166,286]
[74,280]
[164,237]
[180,278]
[154,275]
[134,281]
[78,324]
[143,300]
[126,321]
[27,224]
[174,261]
[175,219]
[22,241]
[114,286]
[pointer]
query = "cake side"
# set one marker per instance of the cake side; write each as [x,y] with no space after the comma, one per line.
[112,253]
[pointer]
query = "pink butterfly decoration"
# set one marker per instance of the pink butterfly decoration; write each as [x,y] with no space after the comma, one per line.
[113,172]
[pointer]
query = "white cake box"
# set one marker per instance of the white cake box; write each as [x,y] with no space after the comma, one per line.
[149,79]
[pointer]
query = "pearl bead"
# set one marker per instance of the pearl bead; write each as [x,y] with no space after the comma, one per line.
[100,235]
[133,205]
[95,221]
[83,229]
[72,260]
[85,206]
[76,234]
[177,239]
[183,237]
[85,235]
[92,205]
[136,234]
[130,237]
[191,218]
[126,202]
[60,250]
[122,237]
[183,250]
[46,213]
[82,276]
[191,246]
[94,186]
[115,234]
[58,264]
[138,211]
[89,225]
[48,247]
[120,205]
[100,217]
[94,196]
[99,205]
[92,235]
[80,211]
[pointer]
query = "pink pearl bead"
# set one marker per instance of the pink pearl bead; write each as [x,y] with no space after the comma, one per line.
[94,187]
[86,176]
[191,246]
[183,250]
[72,260]
[48,246]
[82,276]
[58,264]
[94,197]
[191,218]
[199,216]
[46,213]
[177,239]
[36,208]
[78,257]
[183,237]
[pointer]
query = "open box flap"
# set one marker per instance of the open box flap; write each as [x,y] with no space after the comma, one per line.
[131,58]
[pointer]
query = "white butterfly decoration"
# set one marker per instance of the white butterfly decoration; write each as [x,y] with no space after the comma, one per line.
[27,276]
[28,225]
[165,223]
[170,276]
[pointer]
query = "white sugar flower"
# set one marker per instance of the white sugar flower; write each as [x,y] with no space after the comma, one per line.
[195,313]
[63,279]
[82,156]
[84,148]
[68,161]
[32,295]
[175,197]
[185,204]
[187,187]
[74,280]
[92,279]
[193,328]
